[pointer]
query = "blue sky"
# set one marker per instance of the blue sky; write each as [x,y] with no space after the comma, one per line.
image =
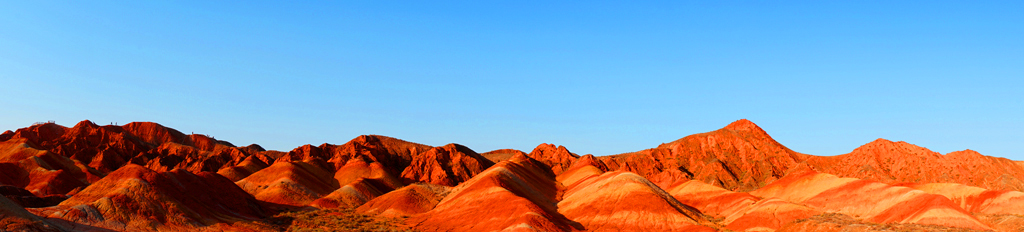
[603,78]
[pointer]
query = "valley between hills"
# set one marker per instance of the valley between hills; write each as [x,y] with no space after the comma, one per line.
[143,176]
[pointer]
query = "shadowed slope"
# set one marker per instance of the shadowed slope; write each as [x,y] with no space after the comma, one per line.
[352,195]
[139,199]
[39,171]
[739,157]
[243,169]
[362,181]
[519,194]
[406,201]
[361,168]
[868,200]
[584,168]
[289,183]
[15,218]
[26,199]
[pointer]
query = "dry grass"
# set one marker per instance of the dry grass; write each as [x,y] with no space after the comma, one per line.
[833,221]
[331,220]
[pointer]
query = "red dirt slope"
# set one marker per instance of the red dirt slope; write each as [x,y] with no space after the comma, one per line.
[519,194]
[740,211]
[406,201]
[869,200]
[624,201]
[352,195]
[977,200]
[289,183]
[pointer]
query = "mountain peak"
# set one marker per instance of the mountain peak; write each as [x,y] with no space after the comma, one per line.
[965,153]
[744,125]
[882,141]
[885,144]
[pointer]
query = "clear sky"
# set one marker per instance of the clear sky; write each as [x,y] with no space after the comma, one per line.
[822,77]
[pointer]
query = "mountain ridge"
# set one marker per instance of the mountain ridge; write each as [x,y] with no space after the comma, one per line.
[721,179]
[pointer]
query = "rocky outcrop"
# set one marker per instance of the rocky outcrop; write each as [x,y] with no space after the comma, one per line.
[58,159]
[558,158]
[447,165]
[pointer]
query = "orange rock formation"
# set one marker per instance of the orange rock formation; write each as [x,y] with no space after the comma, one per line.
[146,177]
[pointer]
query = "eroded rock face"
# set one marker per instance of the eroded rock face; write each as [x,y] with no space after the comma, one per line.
[51,159]
[447,165]
[558,158]
[739,157]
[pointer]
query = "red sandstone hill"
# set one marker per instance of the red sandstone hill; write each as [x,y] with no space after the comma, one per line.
[740,156]
[895,162]
[147,177]
[52,159]
[138,198]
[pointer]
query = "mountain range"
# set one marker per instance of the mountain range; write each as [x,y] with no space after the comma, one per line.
[143,176]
